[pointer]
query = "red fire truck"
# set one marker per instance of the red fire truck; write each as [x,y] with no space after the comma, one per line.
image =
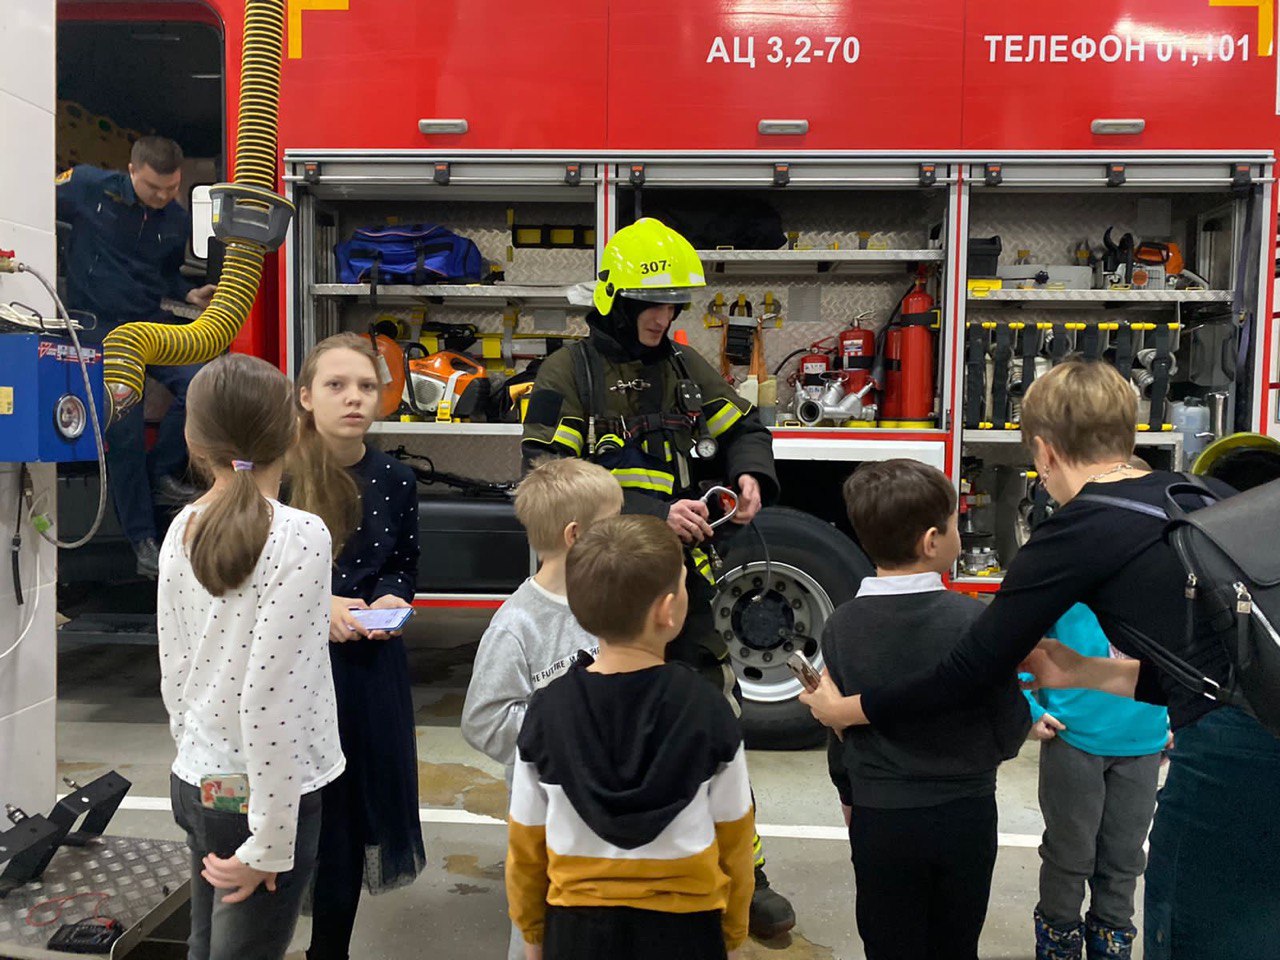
[968,192]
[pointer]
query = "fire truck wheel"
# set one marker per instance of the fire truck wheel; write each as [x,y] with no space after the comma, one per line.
[771,603]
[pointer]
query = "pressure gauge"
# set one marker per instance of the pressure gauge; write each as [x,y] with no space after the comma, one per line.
[70,416]
[706,448]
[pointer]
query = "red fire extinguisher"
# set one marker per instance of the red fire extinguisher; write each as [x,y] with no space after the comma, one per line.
[857,356]
[909,357]
[814,367]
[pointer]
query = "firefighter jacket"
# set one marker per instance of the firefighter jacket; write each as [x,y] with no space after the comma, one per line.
[644,434]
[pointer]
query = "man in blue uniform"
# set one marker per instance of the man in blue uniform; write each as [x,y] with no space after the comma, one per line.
[128,241]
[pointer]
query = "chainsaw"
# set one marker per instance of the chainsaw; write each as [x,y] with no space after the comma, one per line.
[443,386]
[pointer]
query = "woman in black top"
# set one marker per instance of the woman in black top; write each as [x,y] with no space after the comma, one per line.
[1213,878]
[370,833]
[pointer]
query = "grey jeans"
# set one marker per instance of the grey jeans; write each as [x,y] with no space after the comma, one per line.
[1097,811]
[261,927]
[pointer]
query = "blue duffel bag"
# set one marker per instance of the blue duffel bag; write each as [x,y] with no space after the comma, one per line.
[418,254]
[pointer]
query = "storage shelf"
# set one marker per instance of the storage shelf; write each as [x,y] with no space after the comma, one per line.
[874,439]
[1143,438]
[766,262]
[431,428]
[868,431]
[823,435]
[1102,296]
[480,295]
[992,581]
[861,446]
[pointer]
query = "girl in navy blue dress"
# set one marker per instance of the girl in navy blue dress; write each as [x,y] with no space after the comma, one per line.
[370,835]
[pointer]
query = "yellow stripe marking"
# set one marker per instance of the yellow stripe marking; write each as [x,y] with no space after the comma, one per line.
[296,9]
[1266,21]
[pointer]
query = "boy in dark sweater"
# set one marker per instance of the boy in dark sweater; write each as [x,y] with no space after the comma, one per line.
[919,796]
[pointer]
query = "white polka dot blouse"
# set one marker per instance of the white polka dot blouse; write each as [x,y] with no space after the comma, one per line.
[246,678]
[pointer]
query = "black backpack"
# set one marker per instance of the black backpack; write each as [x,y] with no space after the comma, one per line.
[1230,549]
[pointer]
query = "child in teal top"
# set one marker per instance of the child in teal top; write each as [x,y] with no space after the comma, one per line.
[1099,762]
[1095,722]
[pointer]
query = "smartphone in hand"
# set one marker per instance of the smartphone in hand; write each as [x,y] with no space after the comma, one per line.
[389,619]
[804,671]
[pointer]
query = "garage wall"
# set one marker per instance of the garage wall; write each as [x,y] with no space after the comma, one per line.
[28,673]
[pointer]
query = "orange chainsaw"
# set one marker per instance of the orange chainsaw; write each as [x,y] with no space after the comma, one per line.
[443,386]
[1167,255]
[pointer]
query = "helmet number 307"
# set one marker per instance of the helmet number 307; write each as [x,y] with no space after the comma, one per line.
[652,266]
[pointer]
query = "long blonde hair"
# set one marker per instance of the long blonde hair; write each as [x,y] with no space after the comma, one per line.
[238,409]
[317,483]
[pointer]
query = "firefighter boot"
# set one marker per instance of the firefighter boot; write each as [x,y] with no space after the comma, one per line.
[1058,943]
[1105,943]
[771,913]
[169,491]
[147,553]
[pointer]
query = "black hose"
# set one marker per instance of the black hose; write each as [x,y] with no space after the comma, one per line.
[15,551]
[428,475]
[768,564]
[787,359]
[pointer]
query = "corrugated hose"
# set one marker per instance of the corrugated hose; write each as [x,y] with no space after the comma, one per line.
[130,348]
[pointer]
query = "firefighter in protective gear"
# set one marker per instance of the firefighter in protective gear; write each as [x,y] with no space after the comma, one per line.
[667,425]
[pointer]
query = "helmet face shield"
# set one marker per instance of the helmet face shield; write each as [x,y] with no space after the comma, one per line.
[679,295]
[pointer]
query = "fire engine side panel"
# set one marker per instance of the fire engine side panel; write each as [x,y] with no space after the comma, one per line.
[869,75]
[260,335]
[522,75]
[1200,73]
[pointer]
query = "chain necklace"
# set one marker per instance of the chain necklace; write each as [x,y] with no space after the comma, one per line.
[1119,467]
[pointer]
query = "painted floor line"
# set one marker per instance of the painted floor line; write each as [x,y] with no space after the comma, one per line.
[466,817]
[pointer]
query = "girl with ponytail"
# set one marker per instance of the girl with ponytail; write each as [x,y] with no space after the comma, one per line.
[371,837]
[242,618]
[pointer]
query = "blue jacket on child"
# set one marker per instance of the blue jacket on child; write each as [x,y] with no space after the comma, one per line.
[1098,723]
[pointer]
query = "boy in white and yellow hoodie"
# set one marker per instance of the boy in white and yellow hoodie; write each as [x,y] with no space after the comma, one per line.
[631,818]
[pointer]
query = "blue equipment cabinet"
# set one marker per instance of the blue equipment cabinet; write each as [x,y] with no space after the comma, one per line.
[44,413]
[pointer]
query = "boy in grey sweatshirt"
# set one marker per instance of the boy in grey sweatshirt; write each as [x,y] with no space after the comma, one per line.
[533,637]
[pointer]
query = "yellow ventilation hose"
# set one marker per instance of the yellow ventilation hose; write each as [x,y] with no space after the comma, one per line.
[130,348]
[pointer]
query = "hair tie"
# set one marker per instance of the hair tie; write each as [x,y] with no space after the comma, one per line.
[239,465]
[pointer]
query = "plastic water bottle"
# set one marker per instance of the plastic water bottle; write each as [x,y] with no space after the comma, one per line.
[1190,417]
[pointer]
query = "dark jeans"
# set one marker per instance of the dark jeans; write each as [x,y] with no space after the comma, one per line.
[625,933]
[261,927]
[130,469]
[1097,811]
[1213,873]
[923,878]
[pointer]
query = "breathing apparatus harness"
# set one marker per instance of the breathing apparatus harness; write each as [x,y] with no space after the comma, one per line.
[589,376]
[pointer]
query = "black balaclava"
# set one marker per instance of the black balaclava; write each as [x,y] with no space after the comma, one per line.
[621,324]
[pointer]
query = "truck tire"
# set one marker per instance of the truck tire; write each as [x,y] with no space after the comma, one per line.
[813,568]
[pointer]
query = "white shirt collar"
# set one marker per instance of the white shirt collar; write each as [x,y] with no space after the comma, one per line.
[897,586]
[553,597]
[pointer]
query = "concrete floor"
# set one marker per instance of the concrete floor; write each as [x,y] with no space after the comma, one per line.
[110,716]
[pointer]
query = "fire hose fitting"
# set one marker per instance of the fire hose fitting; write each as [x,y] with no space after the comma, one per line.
[248,216]
[837,405]
[1144,376]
